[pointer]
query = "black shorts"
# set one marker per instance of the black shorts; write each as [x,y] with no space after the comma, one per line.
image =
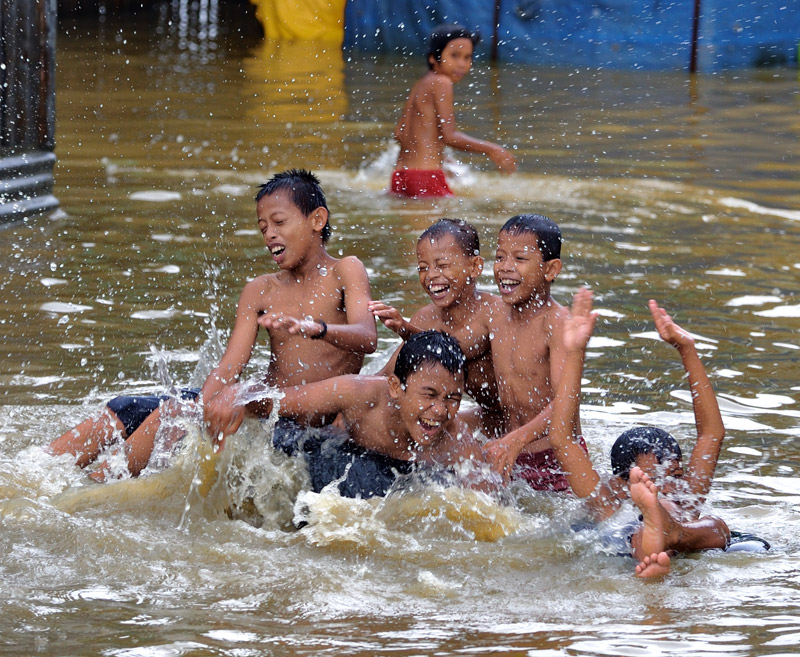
[330,455]
[133,410]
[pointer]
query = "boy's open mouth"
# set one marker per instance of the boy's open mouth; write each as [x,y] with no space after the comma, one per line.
[438,291]
[507,285]
[429,426]
[277,250]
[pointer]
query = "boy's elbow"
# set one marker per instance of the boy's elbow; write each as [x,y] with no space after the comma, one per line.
[371,345]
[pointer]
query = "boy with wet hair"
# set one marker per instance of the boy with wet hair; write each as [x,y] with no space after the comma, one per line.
[646,461]
[449,265]
[428,123]
[526,341]
[315,310]
[409,417]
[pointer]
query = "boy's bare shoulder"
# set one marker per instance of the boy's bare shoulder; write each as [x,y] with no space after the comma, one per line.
[348,266]
[432,83]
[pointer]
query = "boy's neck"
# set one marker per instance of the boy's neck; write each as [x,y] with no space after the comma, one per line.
[315,260]
[457,313]
[534,305]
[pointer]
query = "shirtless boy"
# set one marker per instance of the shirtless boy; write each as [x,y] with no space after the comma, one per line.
[428,122]
[315,310]
[409,416]
[647,459]
[449,265]
[527,349]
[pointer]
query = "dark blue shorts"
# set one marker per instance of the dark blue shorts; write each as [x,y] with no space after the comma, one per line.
[133,410]
[328,452]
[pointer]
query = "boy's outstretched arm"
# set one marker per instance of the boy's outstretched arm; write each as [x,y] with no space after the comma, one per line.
[218,412]
[445,115]
[393,320]
[710,429]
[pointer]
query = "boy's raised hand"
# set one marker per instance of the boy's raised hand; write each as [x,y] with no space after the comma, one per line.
[579,325]
[390,316]
[668,330]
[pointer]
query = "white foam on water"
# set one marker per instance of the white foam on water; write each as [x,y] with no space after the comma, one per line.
[753,300]
[786,345]
[747,451]
[598,342]
[755,208]
[780,311]
[727,373]
[726,272]
[155,196]
[166,269]
[153,314]
[50,282]
[63,307]
[234,190]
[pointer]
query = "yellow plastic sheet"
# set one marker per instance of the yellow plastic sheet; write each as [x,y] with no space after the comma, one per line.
[302,20]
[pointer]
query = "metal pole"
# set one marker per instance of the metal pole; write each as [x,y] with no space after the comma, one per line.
[695,36]
[496,29]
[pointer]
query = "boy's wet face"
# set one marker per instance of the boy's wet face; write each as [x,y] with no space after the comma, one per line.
[288,233]
[456,59]
[446,273]
[429,402]
[519,271]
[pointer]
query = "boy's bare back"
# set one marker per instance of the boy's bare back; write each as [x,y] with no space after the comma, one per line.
[428,108]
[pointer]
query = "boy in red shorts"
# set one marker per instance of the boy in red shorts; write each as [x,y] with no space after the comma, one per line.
[428,121]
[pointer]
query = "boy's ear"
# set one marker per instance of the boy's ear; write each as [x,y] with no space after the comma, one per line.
[395,387]
[319,218]
[552,268]
[477,267]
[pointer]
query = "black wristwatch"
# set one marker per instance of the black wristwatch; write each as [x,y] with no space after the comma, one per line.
[319,336]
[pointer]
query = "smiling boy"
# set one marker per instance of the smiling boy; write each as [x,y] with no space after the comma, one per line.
[527,348]
[428,122]
[410,416]
[449,265]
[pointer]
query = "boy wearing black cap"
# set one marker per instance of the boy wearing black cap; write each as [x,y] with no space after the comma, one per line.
[646,461]
[428,123]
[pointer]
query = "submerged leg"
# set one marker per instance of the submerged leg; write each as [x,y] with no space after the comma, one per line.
[88,439]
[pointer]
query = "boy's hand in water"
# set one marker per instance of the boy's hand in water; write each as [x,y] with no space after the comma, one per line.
[503,160]
[668,330]
[390,316]
[223,415]
[500,457]
[278,322]
[579,325]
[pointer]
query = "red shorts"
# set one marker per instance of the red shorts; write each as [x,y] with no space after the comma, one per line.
[418,183]
[542,470]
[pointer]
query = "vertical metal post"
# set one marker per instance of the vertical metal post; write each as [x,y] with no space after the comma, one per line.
[496,30]
[695,37]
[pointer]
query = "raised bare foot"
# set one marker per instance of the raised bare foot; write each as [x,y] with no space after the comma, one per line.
[652,538]
[656,565]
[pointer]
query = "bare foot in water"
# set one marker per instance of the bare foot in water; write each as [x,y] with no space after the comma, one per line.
[658,524]
[656,565]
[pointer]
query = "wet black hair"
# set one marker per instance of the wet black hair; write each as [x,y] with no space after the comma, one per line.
[464,233]
[304,189]
[548,234]
[429,347]
[642,440]
[444,34]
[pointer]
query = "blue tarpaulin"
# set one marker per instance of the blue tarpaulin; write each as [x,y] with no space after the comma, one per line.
[648,34]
